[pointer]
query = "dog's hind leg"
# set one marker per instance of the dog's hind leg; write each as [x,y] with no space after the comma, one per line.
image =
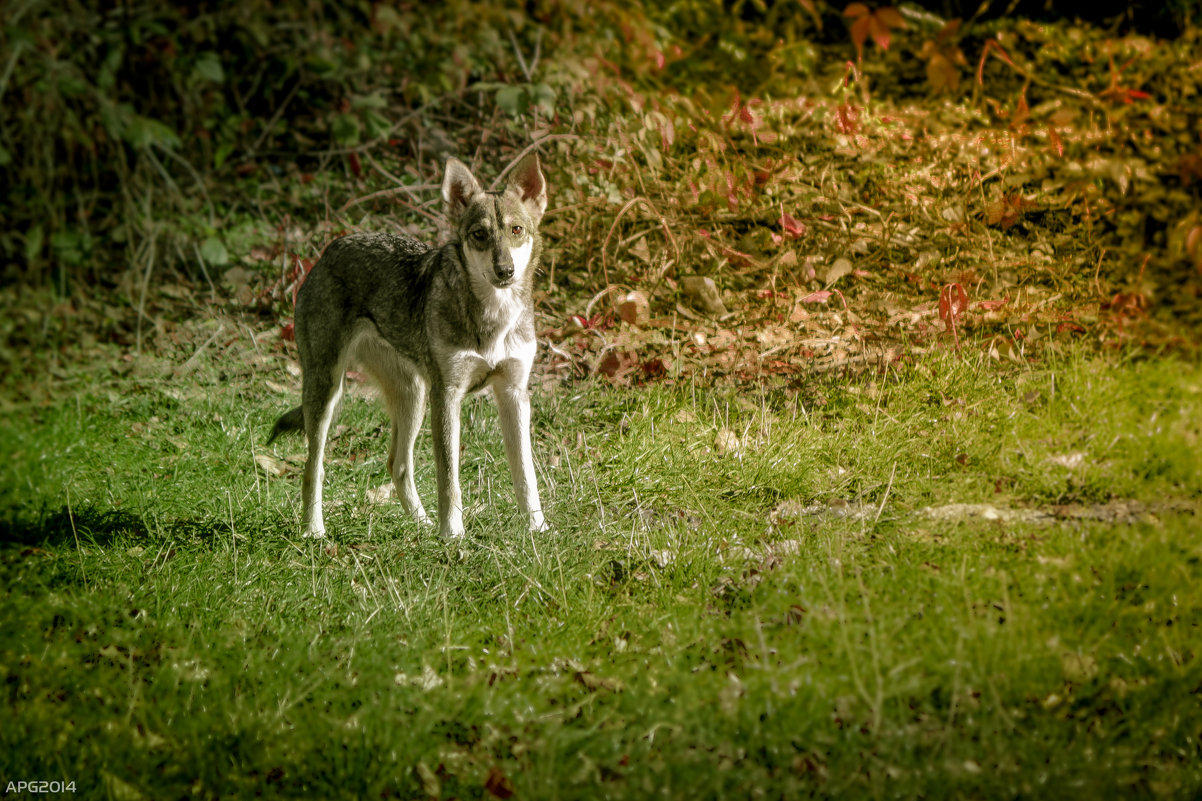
[320,394]
[405,397]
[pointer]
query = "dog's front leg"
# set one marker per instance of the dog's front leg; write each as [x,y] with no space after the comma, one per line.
[445,404]
[513,403]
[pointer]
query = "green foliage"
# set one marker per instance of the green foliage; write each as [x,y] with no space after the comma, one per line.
[122,119]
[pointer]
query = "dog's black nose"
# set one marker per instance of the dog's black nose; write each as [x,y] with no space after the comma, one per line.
[504,271]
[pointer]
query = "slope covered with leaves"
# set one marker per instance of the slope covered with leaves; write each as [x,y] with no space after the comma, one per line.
[755,194]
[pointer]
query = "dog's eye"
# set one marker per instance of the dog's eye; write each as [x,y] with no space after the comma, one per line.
[479,236]
[516,230]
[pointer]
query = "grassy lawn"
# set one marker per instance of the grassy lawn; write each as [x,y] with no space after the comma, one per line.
[745,595]
[968,576]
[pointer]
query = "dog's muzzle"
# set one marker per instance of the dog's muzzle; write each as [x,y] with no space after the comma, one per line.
[503,270]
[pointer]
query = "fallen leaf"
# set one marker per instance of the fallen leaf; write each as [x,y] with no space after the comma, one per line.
[792,227]
[641,250]
[634,308]
[431,786]
[270,466]
[381,494]
[839,268]
[702,293]
[1078,668]
[592,681]
[1070,461]
[727,443]
[498,784]
[953,299]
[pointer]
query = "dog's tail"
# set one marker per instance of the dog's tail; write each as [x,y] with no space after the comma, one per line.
[292,420]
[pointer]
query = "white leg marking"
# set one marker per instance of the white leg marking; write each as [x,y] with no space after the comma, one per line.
[513,403]
[445,405]
[407,404]
[315,468]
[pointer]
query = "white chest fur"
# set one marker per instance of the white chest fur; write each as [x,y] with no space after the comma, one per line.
[508,353]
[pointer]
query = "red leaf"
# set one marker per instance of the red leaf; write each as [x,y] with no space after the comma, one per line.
[879,32]
[1054,138]
[1021,112]
[855,10]
[948,31]
[847,118]
[654,368]
[952,302]
[859,34]
[288,332]
[793,228]
[735,105]
[890,17]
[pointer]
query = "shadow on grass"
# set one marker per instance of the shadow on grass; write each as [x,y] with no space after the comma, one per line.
[65,526]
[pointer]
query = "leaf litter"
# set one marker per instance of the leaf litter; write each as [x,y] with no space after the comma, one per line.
[1051,198]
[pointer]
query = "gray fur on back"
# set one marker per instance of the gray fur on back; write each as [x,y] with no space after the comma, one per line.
[395,294]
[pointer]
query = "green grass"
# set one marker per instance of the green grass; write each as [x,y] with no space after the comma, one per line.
[165,632]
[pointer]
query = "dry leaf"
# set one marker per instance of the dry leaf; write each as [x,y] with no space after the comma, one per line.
[641,250]
[270,466]
[381,494]
[498,784]
[839,268]
[634,308]
[727,443]
[702,294]
[1070,461]
[431,786]
[594,682]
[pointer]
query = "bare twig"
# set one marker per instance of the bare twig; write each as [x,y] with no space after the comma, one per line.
[199,182]
[393,194]
[629,204]
[250,153]
[513,40]
[204,271]
[885,498]
[396,190]
[194,360]
[8,68]
[150,256]
[75,534]
[514,161]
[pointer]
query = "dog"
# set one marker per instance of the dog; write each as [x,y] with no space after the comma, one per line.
[429,321]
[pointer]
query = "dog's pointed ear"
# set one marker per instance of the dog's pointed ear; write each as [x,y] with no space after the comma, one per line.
[458,187]
[528,183]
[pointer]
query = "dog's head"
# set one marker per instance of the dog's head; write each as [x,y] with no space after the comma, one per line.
[498,230]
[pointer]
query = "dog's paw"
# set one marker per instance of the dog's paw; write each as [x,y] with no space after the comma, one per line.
[314,534]
[538,522]
[452,532]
